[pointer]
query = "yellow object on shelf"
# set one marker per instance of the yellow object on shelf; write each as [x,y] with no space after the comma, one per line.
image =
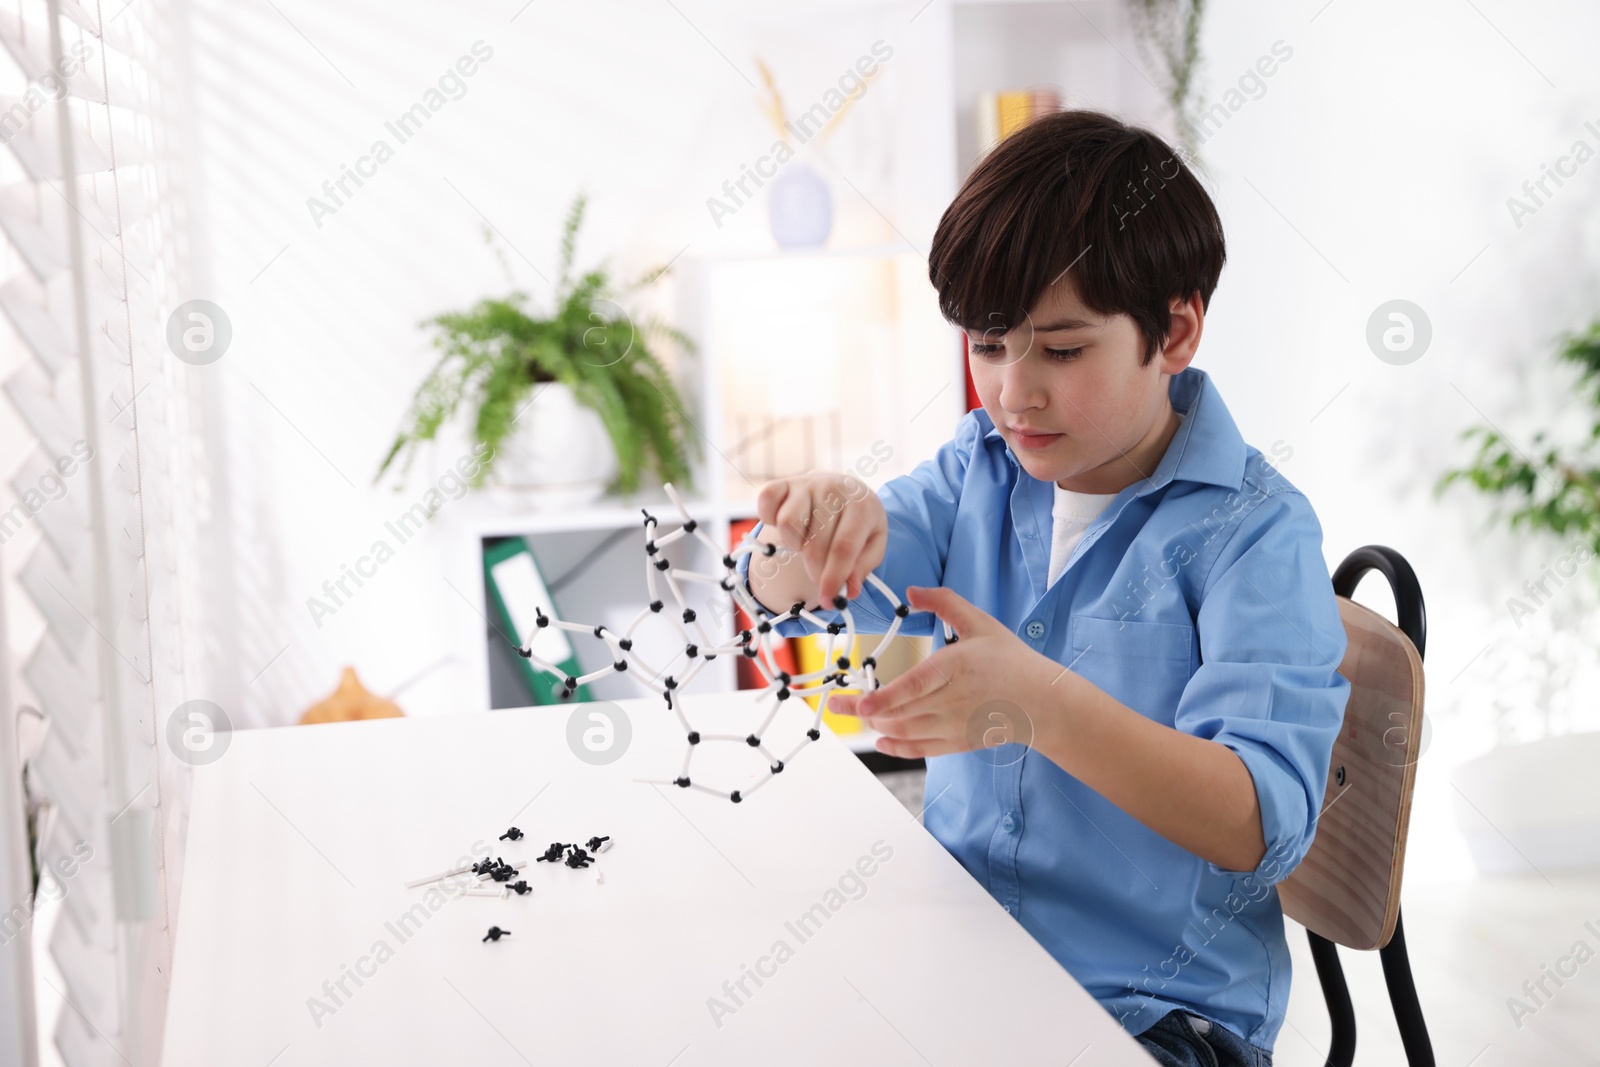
[1016,111]
[999,115]
[809,652]
[899,656]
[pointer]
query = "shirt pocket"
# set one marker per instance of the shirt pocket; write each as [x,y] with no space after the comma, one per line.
[1143,664]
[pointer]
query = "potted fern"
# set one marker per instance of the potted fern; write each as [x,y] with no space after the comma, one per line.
[567,405]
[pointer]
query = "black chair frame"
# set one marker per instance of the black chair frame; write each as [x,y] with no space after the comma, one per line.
[1413,622]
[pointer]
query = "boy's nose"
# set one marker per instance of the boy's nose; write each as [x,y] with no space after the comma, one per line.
[1022,388]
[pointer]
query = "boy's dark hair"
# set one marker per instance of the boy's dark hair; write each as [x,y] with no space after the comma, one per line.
[1077,189]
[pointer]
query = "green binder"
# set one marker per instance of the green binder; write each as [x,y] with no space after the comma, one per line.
[516,588]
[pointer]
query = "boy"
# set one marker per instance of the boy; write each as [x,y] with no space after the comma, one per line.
[1141,599]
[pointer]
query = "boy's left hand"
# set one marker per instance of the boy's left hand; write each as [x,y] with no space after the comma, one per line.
[930,709]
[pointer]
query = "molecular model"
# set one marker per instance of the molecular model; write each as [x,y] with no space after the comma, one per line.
[756,645]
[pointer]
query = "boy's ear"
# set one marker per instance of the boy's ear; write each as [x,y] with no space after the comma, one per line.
[1183,338]
[1175,362]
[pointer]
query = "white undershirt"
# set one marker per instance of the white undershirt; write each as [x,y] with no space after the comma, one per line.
[1070,515]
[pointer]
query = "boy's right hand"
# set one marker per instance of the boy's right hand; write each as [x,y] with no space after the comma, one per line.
[837,526]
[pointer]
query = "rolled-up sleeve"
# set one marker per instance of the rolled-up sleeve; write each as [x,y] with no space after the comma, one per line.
[1268,687]
[921,508]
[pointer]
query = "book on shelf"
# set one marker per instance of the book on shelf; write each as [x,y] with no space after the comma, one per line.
[1001,114]
[811,651]
[783,648]
[517,593]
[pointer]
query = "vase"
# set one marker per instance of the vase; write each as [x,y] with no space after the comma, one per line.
[1530,808]
[559,454]
[799,208]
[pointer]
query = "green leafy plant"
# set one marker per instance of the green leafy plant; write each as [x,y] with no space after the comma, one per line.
[496,353]
[1172,29]
[1551,491]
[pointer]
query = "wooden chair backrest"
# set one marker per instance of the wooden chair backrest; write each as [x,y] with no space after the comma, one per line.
[1347,889]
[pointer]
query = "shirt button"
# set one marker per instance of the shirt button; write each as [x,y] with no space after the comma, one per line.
[1008,824]
[1008,908]
[1036,629]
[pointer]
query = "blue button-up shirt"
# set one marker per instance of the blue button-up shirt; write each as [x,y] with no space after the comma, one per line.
[1200,598]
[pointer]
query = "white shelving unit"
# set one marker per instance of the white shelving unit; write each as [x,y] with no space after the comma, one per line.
[608,588]
[612,596]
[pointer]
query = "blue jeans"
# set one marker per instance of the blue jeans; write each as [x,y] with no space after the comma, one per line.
[1183,1039]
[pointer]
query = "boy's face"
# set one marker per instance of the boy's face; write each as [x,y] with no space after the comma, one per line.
[1068,394]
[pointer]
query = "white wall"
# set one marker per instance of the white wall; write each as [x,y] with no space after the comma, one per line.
[1376,166]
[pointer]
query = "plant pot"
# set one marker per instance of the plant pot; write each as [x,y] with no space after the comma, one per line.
[559,455]
[1532,807]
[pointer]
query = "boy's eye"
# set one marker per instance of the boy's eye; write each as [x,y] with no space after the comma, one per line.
[1062,354]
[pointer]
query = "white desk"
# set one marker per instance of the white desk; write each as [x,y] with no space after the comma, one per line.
[301,841]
